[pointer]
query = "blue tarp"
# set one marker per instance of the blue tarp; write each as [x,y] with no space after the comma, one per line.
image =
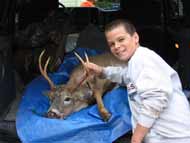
[82,127]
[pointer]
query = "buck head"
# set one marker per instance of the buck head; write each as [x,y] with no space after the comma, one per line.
[66,102]
[69,98]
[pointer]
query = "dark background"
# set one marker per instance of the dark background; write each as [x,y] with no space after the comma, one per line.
[160,23]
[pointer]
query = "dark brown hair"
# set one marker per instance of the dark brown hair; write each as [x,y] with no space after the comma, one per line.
[129,27]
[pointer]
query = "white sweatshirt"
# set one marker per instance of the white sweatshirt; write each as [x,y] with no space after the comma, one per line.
[155,94]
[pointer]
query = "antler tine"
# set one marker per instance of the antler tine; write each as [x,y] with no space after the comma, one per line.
[44,71]
[82,61]
[86,74]
[79,57]
[86,56]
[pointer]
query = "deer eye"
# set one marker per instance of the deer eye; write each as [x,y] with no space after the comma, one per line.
[67,99]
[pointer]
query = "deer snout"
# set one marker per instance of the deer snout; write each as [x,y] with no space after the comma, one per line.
[54,113]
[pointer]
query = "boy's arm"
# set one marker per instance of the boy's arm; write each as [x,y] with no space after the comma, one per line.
[115,74]
[139,133]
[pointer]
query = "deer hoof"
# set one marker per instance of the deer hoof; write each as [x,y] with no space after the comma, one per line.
[105,115]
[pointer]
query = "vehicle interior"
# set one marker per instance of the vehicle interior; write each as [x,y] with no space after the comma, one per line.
[59,26]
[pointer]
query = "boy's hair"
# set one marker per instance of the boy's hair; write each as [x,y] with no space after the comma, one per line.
[129,27]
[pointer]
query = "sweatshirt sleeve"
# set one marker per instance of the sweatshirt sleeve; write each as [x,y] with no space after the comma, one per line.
[155,89]
[115,74]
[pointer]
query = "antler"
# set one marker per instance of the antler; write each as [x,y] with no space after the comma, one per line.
[82,61]
[44,71]
[86,71]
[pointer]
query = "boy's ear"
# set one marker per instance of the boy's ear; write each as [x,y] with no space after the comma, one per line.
[136,37]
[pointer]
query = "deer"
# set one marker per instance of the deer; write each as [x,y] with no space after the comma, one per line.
[81,90]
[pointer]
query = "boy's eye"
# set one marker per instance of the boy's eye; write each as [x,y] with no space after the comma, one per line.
[121,39]
[111,44]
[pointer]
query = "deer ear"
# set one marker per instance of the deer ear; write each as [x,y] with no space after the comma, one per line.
[48,94]
[62,86]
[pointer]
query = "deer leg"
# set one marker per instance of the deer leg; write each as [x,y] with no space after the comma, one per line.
[102,110]
[97,92]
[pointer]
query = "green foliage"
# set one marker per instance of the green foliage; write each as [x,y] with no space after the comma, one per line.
[106,4]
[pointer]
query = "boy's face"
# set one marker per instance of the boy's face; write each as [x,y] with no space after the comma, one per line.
[121,43]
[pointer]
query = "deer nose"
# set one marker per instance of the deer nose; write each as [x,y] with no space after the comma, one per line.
[54,114]
[51,114]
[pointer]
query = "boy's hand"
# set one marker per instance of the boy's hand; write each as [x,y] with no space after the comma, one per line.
[93,68]
[90,68]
